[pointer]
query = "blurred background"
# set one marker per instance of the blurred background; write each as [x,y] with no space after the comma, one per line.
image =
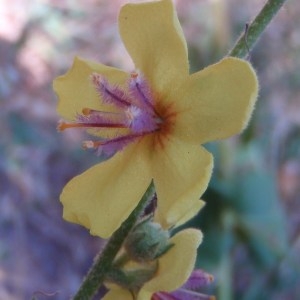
[251,222]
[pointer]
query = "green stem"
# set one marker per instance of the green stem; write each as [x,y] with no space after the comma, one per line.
[250,36]
[96,275]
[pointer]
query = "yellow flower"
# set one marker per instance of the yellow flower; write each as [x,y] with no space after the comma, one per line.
[152,120]
[174,268]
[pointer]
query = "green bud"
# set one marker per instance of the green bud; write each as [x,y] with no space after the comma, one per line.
[147,241]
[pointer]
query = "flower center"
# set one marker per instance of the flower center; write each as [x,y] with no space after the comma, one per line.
[133,114]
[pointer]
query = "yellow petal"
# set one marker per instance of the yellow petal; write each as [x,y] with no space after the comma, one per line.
[75,90]
[191,212]
[216,102]
[153,37]
[103,197]
[144,295]
[177,264]
[116,294]
[181,174]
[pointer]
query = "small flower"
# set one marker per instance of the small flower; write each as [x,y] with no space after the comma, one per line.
[150,122]
[190,289]
[174,269]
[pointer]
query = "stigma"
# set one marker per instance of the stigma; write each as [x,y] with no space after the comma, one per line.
[130,114]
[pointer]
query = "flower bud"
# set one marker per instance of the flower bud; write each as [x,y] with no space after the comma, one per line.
[147,241]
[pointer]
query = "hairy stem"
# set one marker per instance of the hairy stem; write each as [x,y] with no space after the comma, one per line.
[103,262]
[253,31]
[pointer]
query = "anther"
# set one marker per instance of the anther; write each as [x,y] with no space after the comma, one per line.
[134,75]
[86,111]
[96,79]
[62,126]
[88,144]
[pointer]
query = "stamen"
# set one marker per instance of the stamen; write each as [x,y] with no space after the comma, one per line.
[110,119]
[141,91]
[111,146]
[88,111]
[109,93]
[62,125]
[119,139]
[133,110]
